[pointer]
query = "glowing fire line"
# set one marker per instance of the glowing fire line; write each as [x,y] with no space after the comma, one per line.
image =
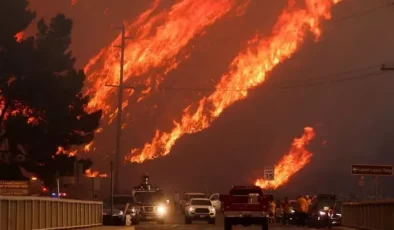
[157,40]
[248,70]
[90,173]
[291,163]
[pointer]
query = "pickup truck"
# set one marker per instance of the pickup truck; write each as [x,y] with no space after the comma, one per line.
[245,205]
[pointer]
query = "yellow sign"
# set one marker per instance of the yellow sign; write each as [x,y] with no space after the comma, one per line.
[14,188]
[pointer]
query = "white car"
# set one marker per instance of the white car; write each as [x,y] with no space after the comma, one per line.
[200,209]
[187,197]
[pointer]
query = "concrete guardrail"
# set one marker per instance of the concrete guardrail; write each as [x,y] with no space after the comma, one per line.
[369,215]
[27,213]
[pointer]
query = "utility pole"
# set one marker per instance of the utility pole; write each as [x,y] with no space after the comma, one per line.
[118,150]
[118,158]
[111,165]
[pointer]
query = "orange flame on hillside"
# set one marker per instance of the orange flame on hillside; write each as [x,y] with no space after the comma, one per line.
[292,162]
[90,173]
[20,36]
[248,70]
[156,41]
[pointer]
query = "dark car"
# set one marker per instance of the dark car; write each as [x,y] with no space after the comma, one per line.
[112,216]
[129,206]
[322,211]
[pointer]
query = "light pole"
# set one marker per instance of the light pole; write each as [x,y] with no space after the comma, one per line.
[121,87]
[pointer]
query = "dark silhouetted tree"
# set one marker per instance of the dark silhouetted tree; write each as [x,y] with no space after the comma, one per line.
[41,100]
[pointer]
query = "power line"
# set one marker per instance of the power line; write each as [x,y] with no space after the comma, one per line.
[361,13]
[309,82]
[344,72]
[332,81]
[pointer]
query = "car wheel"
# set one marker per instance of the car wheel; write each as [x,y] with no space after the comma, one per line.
[212,221]
[188,220]
[160,221]
[227,224]
[135,221]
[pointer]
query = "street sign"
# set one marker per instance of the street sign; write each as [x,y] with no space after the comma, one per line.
[14,188]
[269,173]
[372,170]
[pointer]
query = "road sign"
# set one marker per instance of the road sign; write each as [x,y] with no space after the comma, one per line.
[372,170]
[269,173]
[361,181]
[14,188]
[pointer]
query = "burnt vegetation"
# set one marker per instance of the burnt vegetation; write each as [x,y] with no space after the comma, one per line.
[42,106]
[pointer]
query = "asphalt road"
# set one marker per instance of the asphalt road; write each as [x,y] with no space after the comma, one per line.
[176,222]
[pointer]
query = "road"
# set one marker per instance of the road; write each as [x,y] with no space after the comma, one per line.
[176,223]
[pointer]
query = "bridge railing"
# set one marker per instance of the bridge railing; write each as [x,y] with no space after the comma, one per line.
[27,213]
[371,215]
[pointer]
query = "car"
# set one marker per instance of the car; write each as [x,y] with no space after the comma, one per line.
[152,205]
[245,205]
[200,209]
[112,216]
[127,203]
[322,211]
[187,197]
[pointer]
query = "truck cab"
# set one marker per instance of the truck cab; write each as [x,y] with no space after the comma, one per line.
[152,205]
[245,205]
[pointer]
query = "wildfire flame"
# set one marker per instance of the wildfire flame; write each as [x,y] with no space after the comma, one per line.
[248,70]
[90,173]
[292,162]
[152,46]
[20,36]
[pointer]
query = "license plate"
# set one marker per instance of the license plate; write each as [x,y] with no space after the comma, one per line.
[149,217]
[202,216]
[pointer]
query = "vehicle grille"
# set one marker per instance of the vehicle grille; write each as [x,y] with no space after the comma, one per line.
[202,210]
[148,209]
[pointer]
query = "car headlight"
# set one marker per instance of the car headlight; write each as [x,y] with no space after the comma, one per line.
[133,209]
[191,209]
[211,209]
[292,211]
[321,213]
[161,210]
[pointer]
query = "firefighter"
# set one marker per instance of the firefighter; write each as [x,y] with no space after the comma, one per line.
[302,212]
[309,202]
[286,207]
[272,209]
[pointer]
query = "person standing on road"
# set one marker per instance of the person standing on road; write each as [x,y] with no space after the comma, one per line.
[302,213]
[176,200]
[272,209]
[286,206]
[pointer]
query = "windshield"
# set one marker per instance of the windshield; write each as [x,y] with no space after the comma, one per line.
[201,202]
[322,203]
[144,197]
[245,192]
[197,196]
[123,200]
